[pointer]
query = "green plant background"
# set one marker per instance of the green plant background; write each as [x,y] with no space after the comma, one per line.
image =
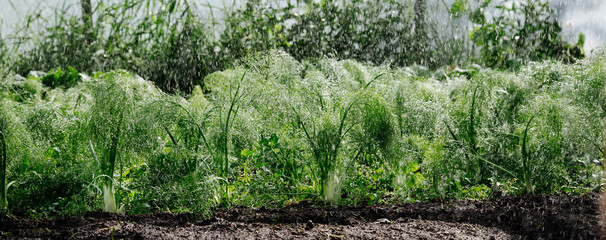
[270,112]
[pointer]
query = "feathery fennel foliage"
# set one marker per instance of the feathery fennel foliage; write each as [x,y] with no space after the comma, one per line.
[276,130]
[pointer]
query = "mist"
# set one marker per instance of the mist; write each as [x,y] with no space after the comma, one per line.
[575,16]
[583,16]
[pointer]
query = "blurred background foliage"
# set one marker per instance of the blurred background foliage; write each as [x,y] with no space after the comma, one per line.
[175,45]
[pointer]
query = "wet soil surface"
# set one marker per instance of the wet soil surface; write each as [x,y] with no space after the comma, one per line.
[512,217]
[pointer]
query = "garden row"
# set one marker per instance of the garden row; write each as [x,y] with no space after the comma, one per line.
[275,130]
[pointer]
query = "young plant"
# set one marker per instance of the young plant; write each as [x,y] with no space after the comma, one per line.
[119,99]
[230,92]
[326,140]
[376,136]
[506,42]
[434,157]
[528,187]
[232,112]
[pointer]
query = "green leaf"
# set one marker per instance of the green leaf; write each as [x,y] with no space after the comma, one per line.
[273,140]
[477,16]
[486,3]
[413,167]
[458,9]
[419,178]
[410,182]
[265,142]
[246,153]
[171,7]
[260,165]
[581,41]
[478,35]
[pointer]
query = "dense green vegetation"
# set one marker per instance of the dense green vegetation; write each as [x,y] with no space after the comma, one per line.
[275,130]
[271,111]
[175,45]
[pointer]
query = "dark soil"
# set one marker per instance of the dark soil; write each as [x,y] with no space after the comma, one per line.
[512,217]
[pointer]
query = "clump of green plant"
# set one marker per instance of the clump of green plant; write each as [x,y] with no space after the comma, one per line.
[176,56]
[434,161]
[287,131]
[378,130]
[325,136]
[419,108]
[173,45]
[4,127]
[12,138]
[187,55]
[348,30]
[526,31]
[58,77]
[376,137]
[170,180]
[119,98]
[469,117]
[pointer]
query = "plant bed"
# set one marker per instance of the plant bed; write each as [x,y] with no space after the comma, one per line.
[509,217]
